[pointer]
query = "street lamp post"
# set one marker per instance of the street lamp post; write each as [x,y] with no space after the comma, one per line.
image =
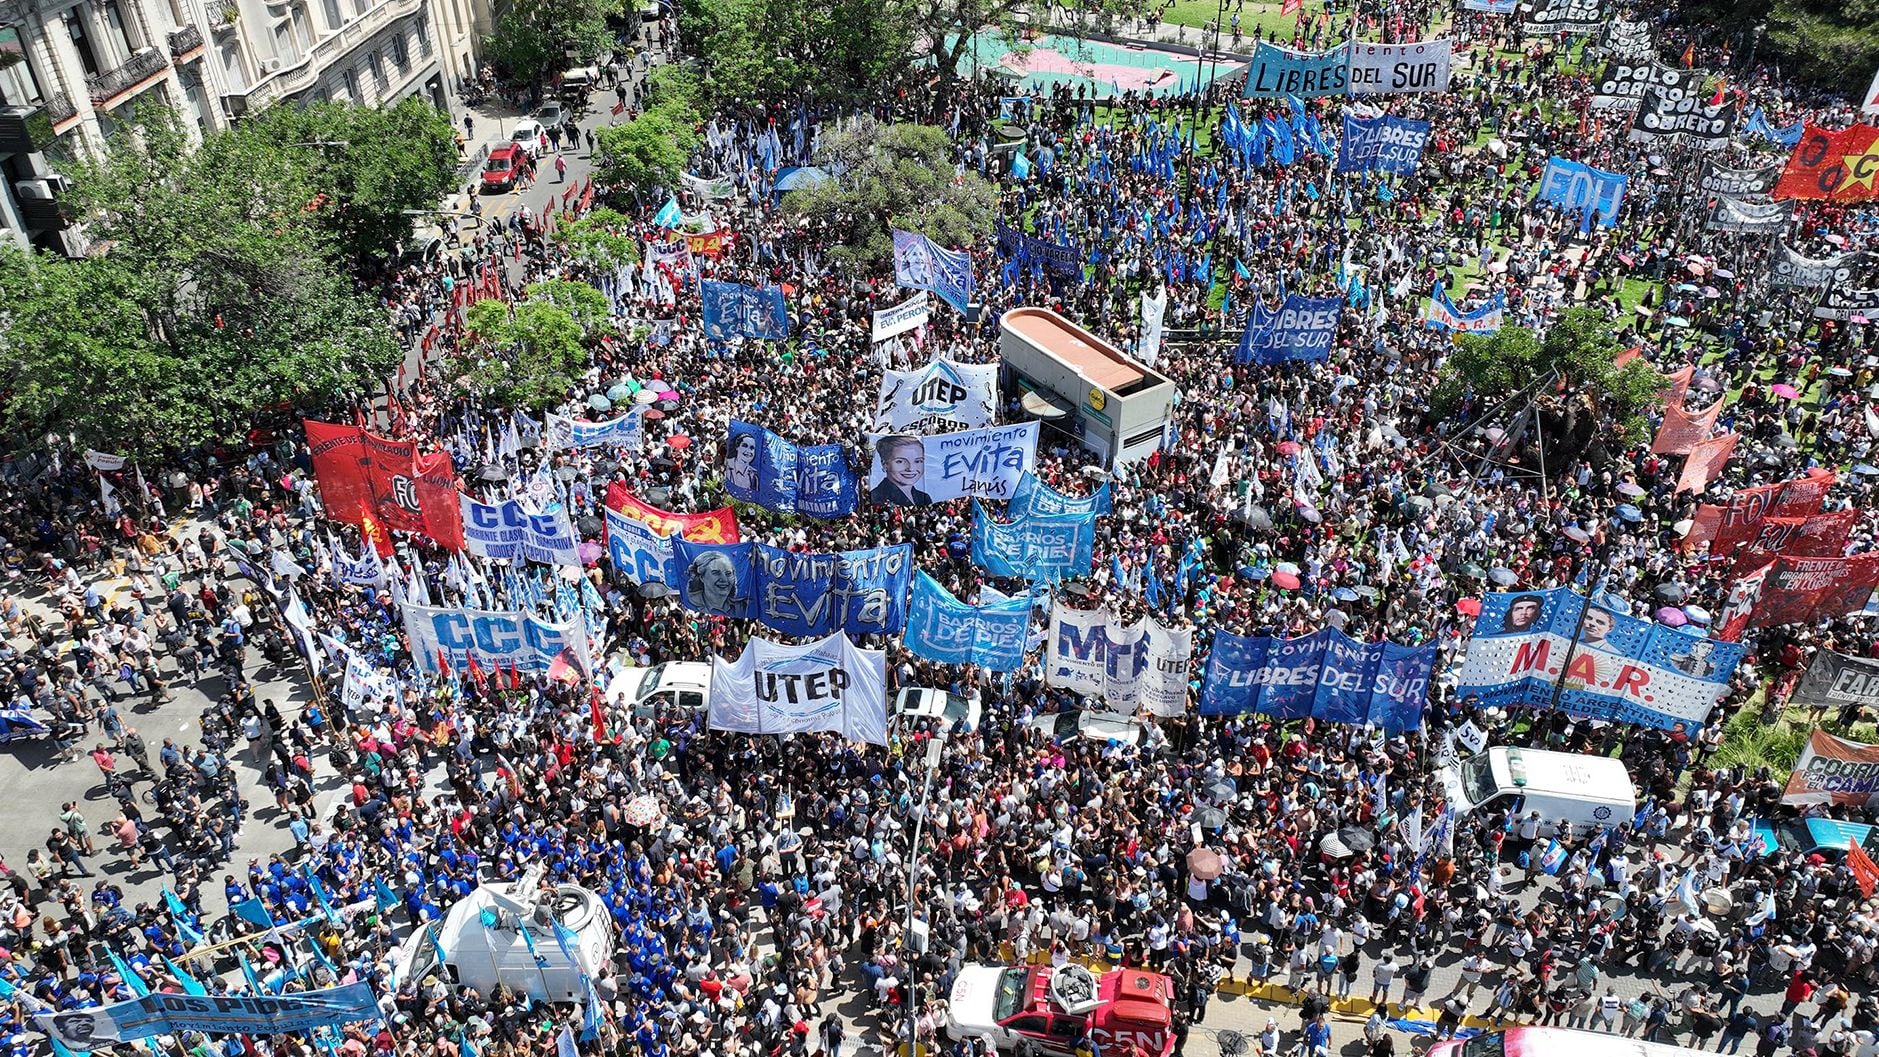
[933,749]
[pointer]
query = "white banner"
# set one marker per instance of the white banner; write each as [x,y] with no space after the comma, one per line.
[1154,311]
[966,393]
[1073,652]
[826,685]
[1170,654]
[627,431]
[1400,69]
[505,530]
[364,683]
[1871,106]
[103,462]
[908,315]
[912,470]
[494,639]
[1125,665]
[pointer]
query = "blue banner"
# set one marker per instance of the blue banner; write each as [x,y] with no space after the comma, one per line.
[733,310]
[1388,144]
[1326,675]
[1302,330]
[813,594]
[169,1013]
[920,264]
[641,554]
[1592,193]
[763,468]
[942,628]
[1538,649]
[1034,497]
[1064,258]
[1035,547]
[1277,71]
[718,579]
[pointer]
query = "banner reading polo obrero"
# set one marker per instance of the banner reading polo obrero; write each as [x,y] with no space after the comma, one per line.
[1834,771]
[1621,85]
[1718,179]
[911,470]
[1754,218]
[1556,16]
[1626,39]
[1789,268]
[1040,547]
[363,473]
[1326,675]
[1843,300]
[920,264]
[910,314]
[763,468]
[1399,69]
[1620,667]
[494,640]
[942,628]
[1277,71]
[505,530]
[1385,143]
[828,685]
[1578,188]
[966,393]
[733,310]
[626,431]
[168,1013]
[1674,107]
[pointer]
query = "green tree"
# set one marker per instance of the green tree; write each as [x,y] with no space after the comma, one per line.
[769,50]
[212,300]
[373,164]
[1569,375]
[531,354]
[602,238]
[647,152]
[533,38]
[893,176]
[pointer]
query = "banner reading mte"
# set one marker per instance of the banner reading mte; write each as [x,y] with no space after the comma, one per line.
[827,685]
[1615,667]
[167,1013]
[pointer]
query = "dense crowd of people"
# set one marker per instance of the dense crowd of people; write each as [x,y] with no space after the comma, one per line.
[774,878]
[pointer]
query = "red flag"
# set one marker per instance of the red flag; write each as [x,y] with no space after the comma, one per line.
[476,672]
[1721,88]
[443,661]
[1838,166]
[338,466]
[619,108]
[372,530]
[1865,871]
[515,677]
[1689,55]
[1682,430]
[1706,459]
[596,709]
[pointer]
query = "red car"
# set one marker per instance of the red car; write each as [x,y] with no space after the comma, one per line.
[1128,1012]
[503,167]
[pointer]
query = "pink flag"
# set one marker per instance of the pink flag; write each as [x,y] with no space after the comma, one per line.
[1706,460]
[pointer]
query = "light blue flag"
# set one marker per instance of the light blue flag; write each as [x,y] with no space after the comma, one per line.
[387,899]
[668,214]
[186,926]
[1020,166]
[253,909]
[247,972]
[191,985]
[128,975]
[564,1043]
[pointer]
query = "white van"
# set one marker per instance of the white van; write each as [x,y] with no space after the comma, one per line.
[642,691]
[480,941]
[1589,792]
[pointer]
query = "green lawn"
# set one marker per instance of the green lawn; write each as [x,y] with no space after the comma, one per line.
[1198,13]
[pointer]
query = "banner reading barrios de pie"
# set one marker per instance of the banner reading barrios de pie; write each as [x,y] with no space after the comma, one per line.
[1833,771]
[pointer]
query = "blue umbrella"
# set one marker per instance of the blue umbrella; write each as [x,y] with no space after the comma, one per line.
[1344,594]
[620,391]
[1630,513]
[1866,469]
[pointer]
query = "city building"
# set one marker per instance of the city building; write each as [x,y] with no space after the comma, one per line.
[72,70]
[1074,381]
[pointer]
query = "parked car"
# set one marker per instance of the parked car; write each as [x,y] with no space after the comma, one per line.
[919,702]
[1091,724]
[643,691]
[551,113]
[502,167]
[1123,1011]
[528,136]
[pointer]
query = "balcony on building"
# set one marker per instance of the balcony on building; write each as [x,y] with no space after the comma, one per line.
[185,42]
[145,65]
[25,129]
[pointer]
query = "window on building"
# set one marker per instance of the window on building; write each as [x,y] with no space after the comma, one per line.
[334,20]
[377,66]
[18,86]
[424,33]
[81,42]
[352,85]
[400,52]
[114,19]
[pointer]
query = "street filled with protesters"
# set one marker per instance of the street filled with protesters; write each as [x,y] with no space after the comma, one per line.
[474,595]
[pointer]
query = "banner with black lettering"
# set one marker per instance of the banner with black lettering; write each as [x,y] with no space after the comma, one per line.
[1717,179]
[1562,16]
[827,685]
[1843,300]
[1833,771]
[1758,218]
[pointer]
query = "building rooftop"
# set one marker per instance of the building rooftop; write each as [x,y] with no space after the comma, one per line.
[1102,363]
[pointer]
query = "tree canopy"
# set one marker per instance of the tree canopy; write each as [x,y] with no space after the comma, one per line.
[893,176]
[651,150]
[1574,360]
[790,49]
[533,38]
[211,297]
[530,354]
[601,238]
